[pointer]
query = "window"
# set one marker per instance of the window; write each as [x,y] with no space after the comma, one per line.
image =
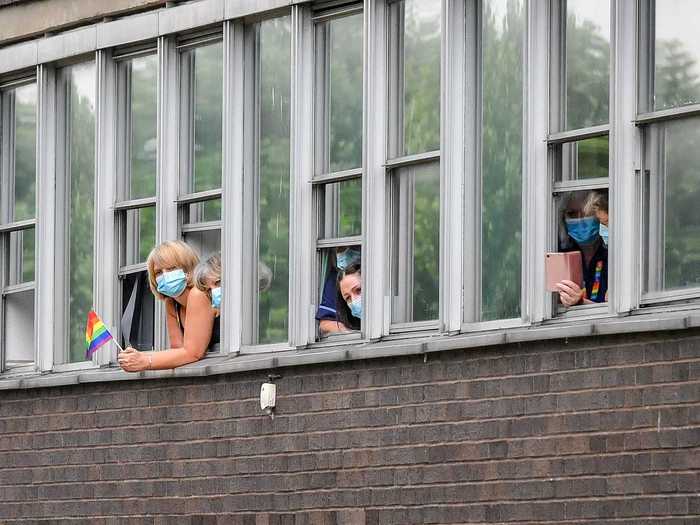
[578,139]
[269,181]
[76,92]
[414,162]
[669,94]
[18,139]
[135,209]
[502,33]
[337,174]
[201,103]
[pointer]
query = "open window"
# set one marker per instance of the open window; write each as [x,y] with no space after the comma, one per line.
[579,157]
[135,207]
[337,176]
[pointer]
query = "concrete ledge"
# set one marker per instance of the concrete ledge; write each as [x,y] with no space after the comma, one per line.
[63,379]
[629,325]
[68,44]
[466,341]
[18,57]
[312,357]
[364,350]
[128,30]
[370,351]
[582,328]
[181,18]
[240,8]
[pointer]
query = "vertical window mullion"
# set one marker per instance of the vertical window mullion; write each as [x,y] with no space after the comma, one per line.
[301,235]
[375,260]
[624,163]
[537,183]
[459,163]
[167,173]
[241,57]
[46,296]
[106,290]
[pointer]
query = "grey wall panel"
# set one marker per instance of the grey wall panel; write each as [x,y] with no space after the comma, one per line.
[70,43]
[132,29]
[18,57]
[191,15]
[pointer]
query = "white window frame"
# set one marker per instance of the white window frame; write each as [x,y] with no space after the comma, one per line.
[459,155]
[646,116]
[8,226]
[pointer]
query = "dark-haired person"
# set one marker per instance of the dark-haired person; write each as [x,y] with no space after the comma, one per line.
[350,296]
[327,316]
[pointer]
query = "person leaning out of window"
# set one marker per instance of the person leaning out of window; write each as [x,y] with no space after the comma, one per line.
[349,296]
[328,314]
[191,320]
[583,232]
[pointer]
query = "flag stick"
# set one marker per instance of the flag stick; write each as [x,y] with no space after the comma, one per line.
[118,345]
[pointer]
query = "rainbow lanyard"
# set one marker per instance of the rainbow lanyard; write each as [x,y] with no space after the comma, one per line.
[596,280]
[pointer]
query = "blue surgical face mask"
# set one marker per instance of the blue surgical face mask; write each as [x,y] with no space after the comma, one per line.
[583,230]
[216,297]
[356,307]
[603,232]
[172,283]
[347,257]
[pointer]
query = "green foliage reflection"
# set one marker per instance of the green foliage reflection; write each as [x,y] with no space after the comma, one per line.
[274,165]
[80,136]
[502,159]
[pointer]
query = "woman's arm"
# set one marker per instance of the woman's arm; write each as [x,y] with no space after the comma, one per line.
[198,327]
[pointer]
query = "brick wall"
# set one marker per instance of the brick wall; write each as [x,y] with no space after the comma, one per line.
[602,431]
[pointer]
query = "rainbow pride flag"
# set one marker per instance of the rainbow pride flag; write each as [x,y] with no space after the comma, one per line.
[96,334]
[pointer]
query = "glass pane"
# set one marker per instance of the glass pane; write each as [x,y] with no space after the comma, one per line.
[80,137]
[140,234]
[579,218]
[21,267]
[202,92]
[19,328]
[672,224]
[25,102]
[273,165]
[205,243]
[140,79]
[339,291]
[677,53]
[416,243]
[583,159]
[136,294]
[587,63]
[203,211]
[341,211]
[503,26]
[344,92]
[421,82]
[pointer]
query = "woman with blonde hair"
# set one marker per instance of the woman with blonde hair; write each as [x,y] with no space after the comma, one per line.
[193,324]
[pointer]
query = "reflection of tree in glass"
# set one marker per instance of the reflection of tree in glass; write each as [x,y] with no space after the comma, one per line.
[81,143]
[587,74]
[350,213]
[25,152]
[502,160]
[593,158]
[346,93]
[208,107]
[421,77]
[682,221]
[675,81]
[273,234]
[144,142]
[426,244]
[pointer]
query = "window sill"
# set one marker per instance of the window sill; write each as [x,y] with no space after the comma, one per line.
[636,322]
